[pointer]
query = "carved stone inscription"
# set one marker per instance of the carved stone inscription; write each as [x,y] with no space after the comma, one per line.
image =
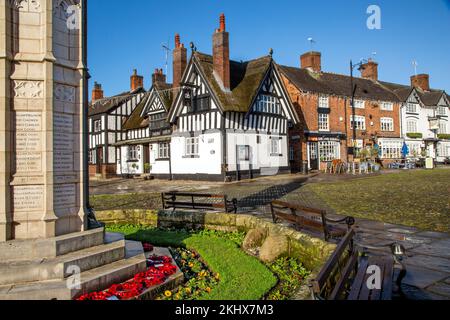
[28,198]
[28,142]
[63,132]
[64,196]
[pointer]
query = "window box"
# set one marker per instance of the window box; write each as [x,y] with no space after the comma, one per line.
[444,136]
[414,135]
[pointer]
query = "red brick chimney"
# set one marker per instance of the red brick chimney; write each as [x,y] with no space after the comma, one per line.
[370,70]
[97,92]
[421,81]
[136,81]
[158,76]
[179,61]
[221,54]
[312,60]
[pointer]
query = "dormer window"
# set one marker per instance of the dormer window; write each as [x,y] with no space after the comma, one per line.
[324,102]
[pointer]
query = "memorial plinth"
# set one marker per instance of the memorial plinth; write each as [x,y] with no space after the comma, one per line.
[43,163]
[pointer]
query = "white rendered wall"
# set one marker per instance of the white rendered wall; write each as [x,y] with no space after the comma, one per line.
[260,154]
[158,166]
[210,155]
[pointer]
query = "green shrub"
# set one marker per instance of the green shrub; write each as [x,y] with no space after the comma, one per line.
[444,136]
[414,135]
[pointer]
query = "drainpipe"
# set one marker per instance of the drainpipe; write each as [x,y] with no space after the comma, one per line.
[224,148]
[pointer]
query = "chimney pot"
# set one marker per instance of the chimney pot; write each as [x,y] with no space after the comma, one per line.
[179,61]
[97,92]
[369,70]
[158,76]
[312,60]
[136,81]
[421,81]
[221,55]
[222,23]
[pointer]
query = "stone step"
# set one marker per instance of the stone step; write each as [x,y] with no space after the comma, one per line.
[61,267]
[92,280]
[26,250]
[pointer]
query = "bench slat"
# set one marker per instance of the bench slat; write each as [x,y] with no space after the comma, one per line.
[387,281]
[331,263]
[344,276]
[287,205]
[359,280]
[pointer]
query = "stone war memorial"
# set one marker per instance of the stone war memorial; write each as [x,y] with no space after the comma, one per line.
[47,249]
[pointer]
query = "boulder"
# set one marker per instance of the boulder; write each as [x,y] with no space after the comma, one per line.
[273,248]
[254,239]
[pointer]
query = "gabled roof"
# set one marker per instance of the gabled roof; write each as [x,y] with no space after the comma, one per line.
[245,80]
[337,84]
[431,98]
[428,98]
[135,121]
[107,104]
[165,93]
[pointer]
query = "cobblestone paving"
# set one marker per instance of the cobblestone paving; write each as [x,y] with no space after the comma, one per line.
[428,253]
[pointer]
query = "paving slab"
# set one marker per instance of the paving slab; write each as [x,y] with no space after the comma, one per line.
[429,262]
[441,288]
[433,234]
[413,293]
[423,278]
[440,248]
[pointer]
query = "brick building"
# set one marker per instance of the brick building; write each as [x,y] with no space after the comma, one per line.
[323,101]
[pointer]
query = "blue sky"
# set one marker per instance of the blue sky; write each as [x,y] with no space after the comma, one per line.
[124,35]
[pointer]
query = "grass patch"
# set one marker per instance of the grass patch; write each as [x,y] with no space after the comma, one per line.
[412,198]
[151,201]
[242,277]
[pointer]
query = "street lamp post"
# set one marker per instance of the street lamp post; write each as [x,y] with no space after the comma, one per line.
[352,100]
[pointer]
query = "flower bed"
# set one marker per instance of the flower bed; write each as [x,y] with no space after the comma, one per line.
[159,270]
[199,279]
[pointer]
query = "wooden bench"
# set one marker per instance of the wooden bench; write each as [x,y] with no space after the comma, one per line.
[311,219]
[182,200]
[345,275]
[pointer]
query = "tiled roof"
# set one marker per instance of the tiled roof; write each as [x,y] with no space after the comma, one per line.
[245,80]
[135,121]
[165,92]
[107,104]
[429,98]
[337,84]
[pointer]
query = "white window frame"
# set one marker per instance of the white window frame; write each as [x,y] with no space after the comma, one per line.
[163,150]
[275,147]
[442,127]
[324,122]
[411,107]
[329,150]
[387,124]
[411,126]
[359,104]
[390,149]
[360,122]
[441,111]
[97,125]
[268,104]
[133,153]
[324,102]
[387,106]
[192,147]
